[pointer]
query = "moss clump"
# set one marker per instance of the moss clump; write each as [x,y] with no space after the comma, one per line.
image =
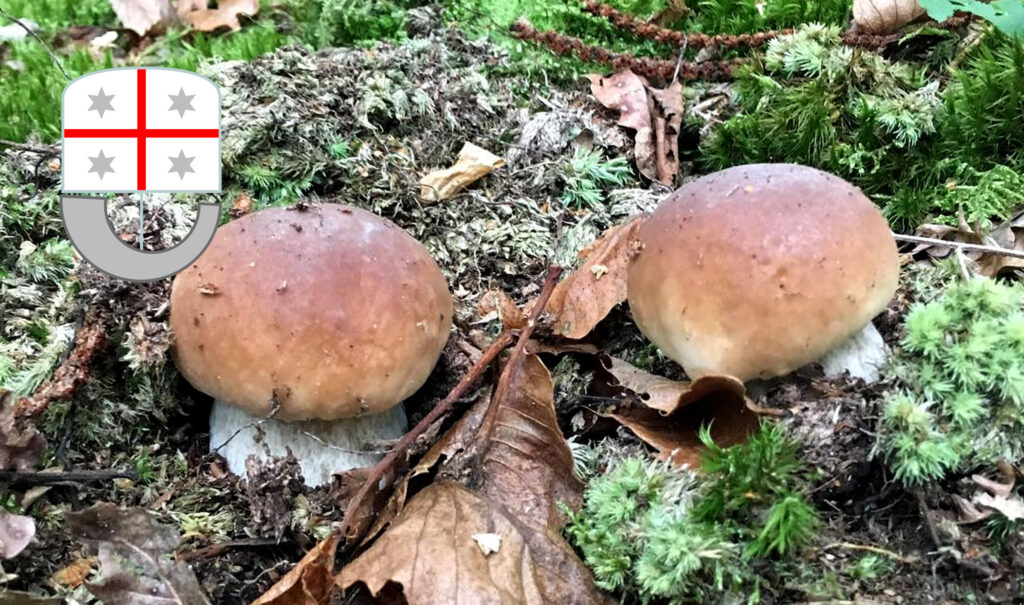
[960,375]
[657,532]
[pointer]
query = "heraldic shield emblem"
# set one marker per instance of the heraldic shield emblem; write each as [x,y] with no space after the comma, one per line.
[138,130]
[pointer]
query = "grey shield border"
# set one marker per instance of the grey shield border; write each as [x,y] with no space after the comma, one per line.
[134,256]
[220,169]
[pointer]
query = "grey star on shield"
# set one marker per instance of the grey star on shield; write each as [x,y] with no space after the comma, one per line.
[101,102]
[181,164]
[181,102]
[101,164]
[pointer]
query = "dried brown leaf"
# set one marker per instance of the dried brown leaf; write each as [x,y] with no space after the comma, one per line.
[1011,507]
[225,15]
[655,114]
[674,412]
[884,16]
[136,555]
[184,7]
[521,468]
[310,582]
[76,573]
[503,308]
[588,294]
[473,164]
[145,16]
[16,532]
[665,395]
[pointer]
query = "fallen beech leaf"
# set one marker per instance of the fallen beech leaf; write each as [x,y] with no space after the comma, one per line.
[668,119]
[310,582]
[994,487]
[1011,507]
[665,395]
[504,309]
[16,531]
[225,15]
[144,16]
[473,163]
[521,468]
[136,555]
[584,298]
[21,447]
[241,206]
[674,412]
[656,116]
[884,16]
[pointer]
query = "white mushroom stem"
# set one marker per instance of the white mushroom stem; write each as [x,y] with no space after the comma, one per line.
[862,355]
[322,447]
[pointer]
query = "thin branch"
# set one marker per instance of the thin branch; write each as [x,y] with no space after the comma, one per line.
[382,474]
[961,245]
[910,560]
[46,149]
[51,478]
[53,57]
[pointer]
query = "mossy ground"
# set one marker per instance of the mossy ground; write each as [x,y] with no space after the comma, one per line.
[359,125]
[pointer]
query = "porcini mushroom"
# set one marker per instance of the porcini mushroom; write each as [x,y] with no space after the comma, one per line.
[757,270]
[324,317]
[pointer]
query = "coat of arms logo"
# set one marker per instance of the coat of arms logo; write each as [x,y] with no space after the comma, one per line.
[138,130]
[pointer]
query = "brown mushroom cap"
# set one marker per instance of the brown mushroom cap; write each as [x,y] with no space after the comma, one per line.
[335,311]
[757,270]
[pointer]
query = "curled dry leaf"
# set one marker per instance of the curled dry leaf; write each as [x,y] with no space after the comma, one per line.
[585,296]
[665,395]
[674,412]
[225,15]
[656,116]
[16,531]
[1011,507]
[310,582]
[136,555]
[884,16]
[521,468]
[473,163]
[144,16]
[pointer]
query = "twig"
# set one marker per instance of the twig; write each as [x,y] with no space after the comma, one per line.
[348,526]
[216,549]
[275,406]
[910,560]
[28,30]
[961,245]
[929,520]
[46,149]
[50,478]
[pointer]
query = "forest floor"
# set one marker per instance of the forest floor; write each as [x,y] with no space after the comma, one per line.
[361,125]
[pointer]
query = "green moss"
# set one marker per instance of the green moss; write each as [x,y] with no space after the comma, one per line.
[588,174]
[659,532]
[53,15]
[960,396]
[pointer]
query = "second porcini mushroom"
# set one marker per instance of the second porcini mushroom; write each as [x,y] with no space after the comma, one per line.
[757,270]
[323,318]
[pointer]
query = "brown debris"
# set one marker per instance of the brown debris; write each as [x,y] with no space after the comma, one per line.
[656,116]
[665,395]
[588,294]
[1008,236]
[649,68]
[224,16]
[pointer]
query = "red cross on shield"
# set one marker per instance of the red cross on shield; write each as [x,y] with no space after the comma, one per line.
[141,129]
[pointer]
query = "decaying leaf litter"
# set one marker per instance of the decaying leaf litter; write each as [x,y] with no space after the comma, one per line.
[511,215]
